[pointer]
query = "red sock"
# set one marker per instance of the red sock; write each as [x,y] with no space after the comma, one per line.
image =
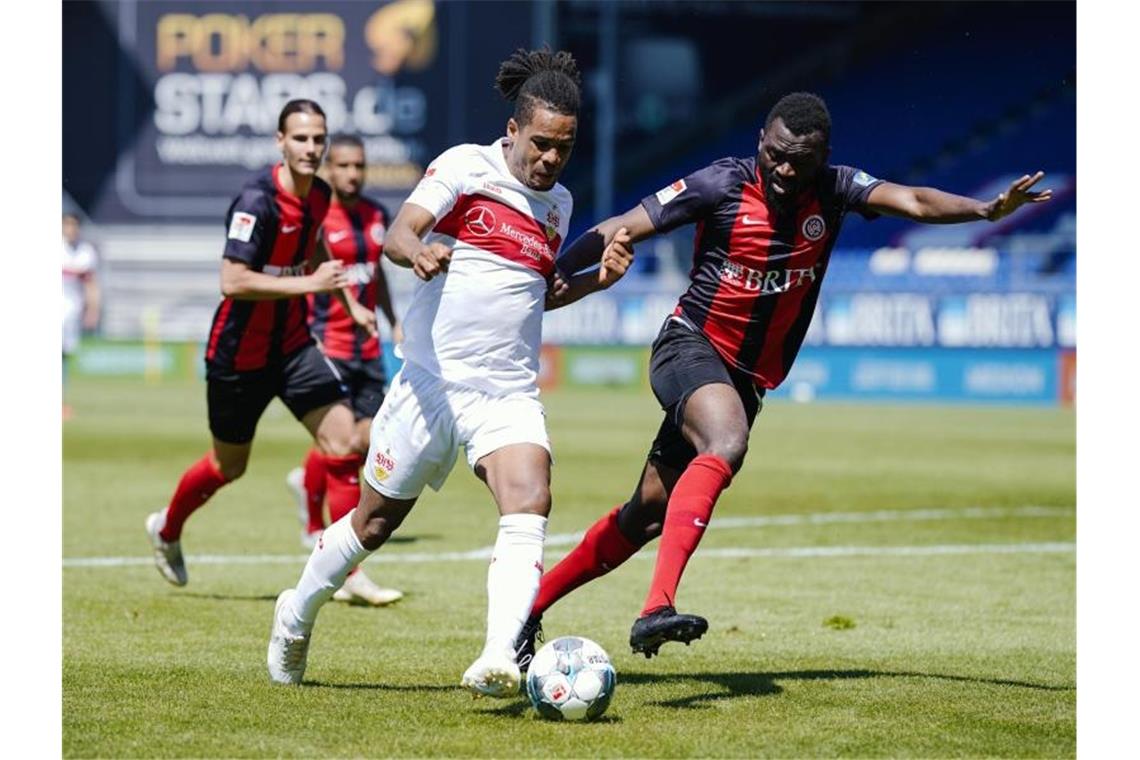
[315,486]
[603,548]
[686,517]
[343,484]
[197,485]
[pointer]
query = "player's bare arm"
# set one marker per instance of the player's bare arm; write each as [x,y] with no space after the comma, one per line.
[384,302]
[615,262]
[361,315]
[587,250]
[405,246]
[244,284]
[931,206]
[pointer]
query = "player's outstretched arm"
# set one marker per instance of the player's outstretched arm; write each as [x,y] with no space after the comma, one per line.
[615,262]
[362,316]
[586,251]
[931,206]
[244,284]
[405,247]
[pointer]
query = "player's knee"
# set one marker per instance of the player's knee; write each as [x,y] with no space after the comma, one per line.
[641,521]
[731,446]
[337,444]
[231,471]
[373,530]
[360,443]
[531,499]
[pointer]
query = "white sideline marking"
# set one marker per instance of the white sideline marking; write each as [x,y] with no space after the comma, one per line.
[730,523]
[485,554]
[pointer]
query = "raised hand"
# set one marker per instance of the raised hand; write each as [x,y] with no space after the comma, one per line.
[330,275]
[432,260]
[1016,196]
[616,258]
[556,290]
[364,318]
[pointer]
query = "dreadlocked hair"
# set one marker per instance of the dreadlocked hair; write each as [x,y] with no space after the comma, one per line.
[803,113]
[532,78]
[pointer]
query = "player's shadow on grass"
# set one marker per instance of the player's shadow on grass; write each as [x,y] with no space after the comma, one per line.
[378,686]
[231,597]
[734,685]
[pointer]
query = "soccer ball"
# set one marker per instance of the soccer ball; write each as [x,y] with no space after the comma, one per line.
[571,678]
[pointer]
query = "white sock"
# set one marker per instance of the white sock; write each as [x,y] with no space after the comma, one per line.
[512,578]
[337,552]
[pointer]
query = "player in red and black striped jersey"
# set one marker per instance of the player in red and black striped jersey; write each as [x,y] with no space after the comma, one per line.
[259,345]
[766,225]
[353,233]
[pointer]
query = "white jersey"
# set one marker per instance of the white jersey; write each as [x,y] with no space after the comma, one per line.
[78,264]
[480,324]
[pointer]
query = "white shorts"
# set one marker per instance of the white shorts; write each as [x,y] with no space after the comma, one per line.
[416,435]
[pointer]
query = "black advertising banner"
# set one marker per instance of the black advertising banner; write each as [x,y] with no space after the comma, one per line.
[410,77]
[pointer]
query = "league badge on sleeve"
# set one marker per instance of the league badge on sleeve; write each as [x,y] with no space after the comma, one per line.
[862,178]
[241,226]
[666,194]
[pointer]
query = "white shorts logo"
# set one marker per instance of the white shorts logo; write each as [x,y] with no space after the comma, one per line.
[814,228]
[241,226]
[480,220]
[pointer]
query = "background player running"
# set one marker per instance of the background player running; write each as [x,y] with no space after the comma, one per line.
[259,344]
[82,295]
[766,225]
[353,233]
[494,217]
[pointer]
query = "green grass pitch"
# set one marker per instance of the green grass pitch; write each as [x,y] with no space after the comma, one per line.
[883,581]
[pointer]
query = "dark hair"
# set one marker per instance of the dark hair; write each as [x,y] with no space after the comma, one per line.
[802,113]
[299,105]
[340,139]
[540,77]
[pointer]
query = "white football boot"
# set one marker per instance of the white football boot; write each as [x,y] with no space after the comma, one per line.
[288,653]
[167,556]
[493,675]
[359,589]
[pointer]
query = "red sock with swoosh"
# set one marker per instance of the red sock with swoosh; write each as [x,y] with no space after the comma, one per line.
[316,482]
[343,484]
[687,516]
[195,488]
[603,548]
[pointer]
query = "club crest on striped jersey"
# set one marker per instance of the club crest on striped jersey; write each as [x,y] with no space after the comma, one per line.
[241,226]
[376,232]
[666,194]
[480,220]
[814,227]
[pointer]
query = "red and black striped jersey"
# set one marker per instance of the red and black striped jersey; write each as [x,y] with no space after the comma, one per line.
[356,237]
[756,274]
[273,232]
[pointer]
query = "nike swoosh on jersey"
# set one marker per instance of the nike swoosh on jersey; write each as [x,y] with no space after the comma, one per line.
[749,221]
[336,237]
[287,229]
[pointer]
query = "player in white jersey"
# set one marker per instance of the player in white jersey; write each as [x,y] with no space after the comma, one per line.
[481,231]
[81,295]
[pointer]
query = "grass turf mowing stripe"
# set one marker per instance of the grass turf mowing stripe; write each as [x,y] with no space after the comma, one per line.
[485,554]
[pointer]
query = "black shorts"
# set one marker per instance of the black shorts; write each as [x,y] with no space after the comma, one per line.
[682,361]
[304,380]
[366,383]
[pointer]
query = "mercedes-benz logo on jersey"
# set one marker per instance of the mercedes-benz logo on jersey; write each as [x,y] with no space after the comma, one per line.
[480,220]
[814,228]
